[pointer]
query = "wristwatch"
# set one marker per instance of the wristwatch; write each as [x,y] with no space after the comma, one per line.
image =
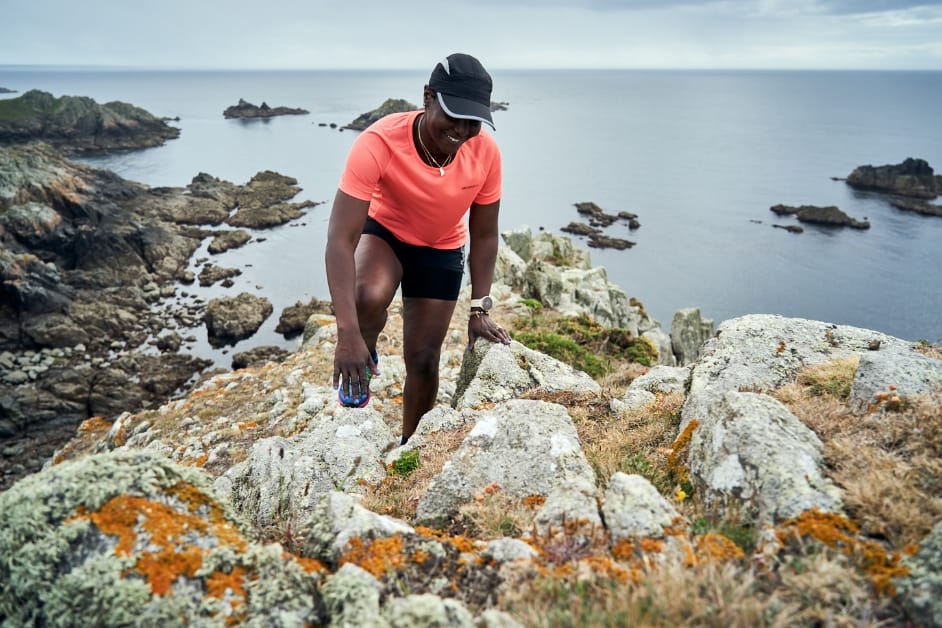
[485,303]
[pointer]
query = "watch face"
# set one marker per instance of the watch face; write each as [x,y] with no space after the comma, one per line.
[486,303]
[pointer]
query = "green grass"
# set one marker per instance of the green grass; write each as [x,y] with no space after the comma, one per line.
[406,463]
[582,343]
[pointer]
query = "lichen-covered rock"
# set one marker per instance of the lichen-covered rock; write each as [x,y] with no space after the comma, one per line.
[662,379]
[494,373]
[505,549]
[429,611]
[572,504]
[351,598]
[284,478]
[909,372]
[129,538]
[921,589]
[689,330]
[755,453]
[337,518]
[525,447]
[633,508]
[762,352]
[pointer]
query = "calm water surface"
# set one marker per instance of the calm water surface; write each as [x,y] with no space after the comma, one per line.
[699,156]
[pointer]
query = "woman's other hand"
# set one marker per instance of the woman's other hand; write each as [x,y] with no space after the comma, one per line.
[481,325]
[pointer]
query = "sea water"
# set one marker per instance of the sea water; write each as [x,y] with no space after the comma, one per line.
[699,156]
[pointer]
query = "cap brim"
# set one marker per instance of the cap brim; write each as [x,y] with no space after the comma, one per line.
[465,109]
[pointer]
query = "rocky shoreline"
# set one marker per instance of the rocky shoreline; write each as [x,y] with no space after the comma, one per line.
[94,309]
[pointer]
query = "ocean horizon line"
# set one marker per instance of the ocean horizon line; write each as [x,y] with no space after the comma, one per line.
[156,68]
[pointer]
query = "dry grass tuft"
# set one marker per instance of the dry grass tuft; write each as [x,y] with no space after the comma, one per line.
[931,350]
[888,462]
[890,467]
[398,495]
[714,594]
[494,514]
[634,442]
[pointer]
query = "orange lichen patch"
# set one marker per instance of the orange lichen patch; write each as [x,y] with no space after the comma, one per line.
[309,565]
[430,533]
[534,501]
[834,530]
[218,583]
[163,567]
[94,424]
[248,425]
[167,549]
[675,462]
[612,570]
[199,462]
[420,556]
[377,557]
[462,543]
[715,548]
[838,533]
[624,549]
[651,546]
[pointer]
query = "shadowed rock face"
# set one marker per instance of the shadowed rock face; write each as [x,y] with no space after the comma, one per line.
[79,124]
[913,178]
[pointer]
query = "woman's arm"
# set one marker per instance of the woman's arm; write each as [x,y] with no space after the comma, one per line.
[347,218]
[483,235]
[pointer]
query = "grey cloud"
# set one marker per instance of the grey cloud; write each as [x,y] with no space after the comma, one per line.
[847,7]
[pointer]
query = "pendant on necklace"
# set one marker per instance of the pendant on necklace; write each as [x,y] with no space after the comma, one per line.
[441,171]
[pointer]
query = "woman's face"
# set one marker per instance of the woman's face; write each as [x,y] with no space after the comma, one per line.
[447,134]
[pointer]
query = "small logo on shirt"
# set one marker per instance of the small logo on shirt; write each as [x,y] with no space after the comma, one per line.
[468,187]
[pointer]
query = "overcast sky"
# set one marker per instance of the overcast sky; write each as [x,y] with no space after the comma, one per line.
[295,34]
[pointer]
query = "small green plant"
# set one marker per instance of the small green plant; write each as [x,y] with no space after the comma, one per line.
[532,304]
[406,463]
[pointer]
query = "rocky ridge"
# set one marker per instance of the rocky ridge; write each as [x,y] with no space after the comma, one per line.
[268,448]
[79,124]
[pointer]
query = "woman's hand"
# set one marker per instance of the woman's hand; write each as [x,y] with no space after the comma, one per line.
[480,325]
[351,360]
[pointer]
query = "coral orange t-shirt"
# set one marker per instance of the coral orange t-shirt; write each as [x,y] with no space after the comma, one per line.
[411,198]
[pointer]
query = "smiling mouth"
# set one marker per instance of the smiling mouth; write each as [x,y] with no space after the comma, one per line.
[452,139]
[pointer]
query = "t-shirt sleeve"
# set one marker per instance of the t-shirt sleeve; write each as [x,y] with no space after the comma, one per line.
[491,190]
[364,166]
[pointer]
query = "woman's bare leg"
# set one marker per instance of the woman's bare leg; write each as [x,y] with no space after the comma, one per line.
[425,323]
[378,275]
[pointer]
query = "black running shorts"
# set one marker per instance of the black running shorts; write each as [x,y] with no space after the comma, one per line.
[427,273]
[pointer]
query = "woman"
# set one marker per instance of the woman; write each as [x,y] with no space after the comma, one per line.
[398,220]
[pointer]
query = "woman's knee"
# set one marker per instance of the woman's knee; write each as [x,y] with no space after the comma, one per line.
[372,302]
[423,362]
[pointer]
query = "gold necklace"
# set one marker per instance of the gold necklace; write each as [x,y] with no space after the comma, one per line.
[440,166]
